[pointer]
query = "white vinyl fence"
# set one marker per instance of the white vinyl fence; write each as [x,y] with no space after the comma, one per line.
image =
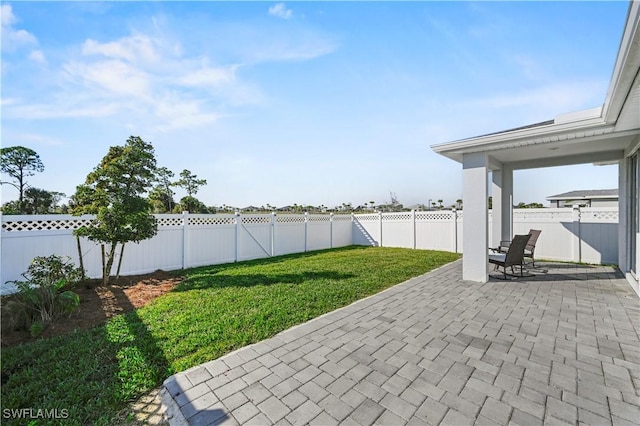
[588,235]
[188,240]
[182,241]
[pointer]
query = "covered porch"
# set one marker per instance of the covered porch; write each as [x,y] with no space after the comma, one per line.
[609,134]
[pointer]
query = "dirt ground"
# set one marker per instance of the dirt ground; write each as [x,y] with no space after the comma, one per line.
[99,303]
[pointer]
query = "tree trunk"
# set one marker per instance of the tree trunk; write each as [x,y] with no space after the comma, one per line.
[120,261]
[107,269]
[104,271]
[84,277]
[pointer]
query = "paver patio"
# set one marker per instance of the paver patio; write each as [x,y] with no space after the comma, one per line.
[560,347]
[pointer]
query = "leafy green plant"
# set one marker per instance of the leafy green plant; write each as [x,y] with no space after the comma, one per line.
[41,293]
[36,329]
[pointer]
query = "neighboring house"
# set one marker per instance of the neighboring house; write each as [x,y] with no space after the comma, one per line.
[606,134]
[589,198]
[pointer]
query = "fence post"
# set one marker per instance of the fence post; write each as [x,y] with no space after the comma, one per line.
[577,239]
[306,231]
[185,240]
[454,220]
[273,234]
[331,230]
[413,221]
[238,221]
[353,226]
[380,226]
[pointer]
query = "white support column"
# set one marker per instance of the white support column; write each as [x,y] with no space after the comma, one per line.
[502,197]
[475,266]
[507,203]
[623,214]
[496,208]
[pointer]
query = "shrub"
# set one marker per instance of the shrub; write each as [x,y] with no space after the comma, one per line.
[41,293]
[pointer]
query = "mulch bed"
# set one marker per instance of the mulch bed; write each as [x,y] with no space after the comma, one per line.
[98,303]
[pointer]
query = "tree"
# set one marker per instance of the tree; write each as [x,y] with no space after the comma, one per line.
[162,195]
[113,191]
[459,203]
[189,182]
[19,162]
[193,205]
[40,201]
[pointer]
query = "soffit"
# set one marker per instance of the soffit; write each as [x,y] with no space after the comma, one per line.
[629,117]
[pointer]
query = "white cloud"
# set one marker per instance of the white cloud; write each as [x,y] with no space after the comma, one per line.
[133,49]
[280,10]
[12,38]
[110,77]
[564,96]
[209,76]
[37,56]
[35,139]
[7,17]
[150,80]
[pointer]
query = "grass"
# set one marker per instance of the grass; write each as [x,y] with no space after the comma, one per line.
[217,309]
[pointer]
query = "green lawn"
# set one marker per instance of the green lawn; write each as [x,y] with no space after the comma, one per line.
[217,309]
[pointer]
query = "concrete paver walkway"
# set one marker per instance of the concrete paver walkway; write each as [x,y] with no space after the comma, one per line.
[561,347]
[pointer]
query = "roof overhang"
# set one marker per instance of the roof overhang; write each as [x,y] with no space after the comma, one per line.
[598,135]
[585,197]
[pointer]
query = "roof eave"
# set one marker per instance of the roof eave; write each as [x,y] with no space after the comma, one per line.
[529,136]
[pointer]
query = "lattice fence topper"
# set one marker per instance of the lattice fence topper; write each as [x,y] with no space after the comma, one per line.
[320,218]
[367,217]
[255,219]
[44,225]
[586,215]
[169,221]
[397,216]
[542,214]
[433,216]
[342,218]
[290,218]
[212,220]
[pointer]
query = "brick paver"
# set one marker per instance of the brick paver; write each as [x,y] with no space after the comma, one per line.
[559,347]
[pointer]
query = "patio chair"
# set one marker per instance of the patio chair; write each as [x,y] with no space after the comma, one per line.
[513,257]
[529,249]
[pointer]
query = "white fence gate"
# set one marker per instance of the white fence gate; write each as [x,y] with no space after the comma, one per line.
[587,235]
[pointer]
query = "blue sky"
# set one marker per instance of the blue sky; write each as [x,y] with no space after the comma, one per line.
[301,102]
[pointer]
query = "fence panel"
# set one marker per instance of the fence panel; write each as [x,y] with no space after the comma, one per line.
[559,233]
[397,230]
[366,230]
[342,230]
[289,234]
[209,240]
[436,230]
[318,232]
[598,235]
